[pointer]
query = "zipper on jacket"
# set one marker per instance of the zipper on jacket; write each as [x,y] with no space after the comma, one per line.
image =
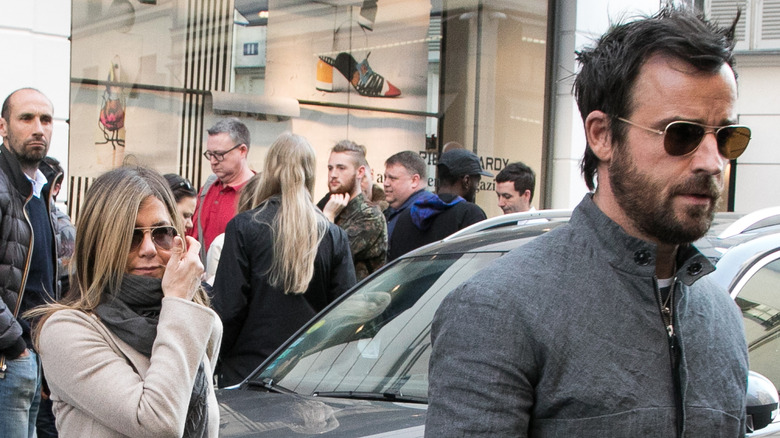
[23,284]
[667,316]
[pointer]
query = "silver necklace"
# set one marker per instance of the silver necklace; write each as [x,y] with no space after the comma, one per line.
[668,304]
[666,309]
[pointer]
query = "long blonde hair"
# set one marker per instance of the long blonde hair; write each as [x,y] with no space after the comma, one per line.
[298,226]
[104,234]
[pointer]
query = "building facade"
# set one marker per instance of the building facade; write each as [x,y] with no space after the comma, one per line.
[146,79]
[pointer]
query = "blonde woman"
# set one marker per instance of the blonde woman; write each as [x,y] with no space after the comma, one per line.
[129,351]
[282,262]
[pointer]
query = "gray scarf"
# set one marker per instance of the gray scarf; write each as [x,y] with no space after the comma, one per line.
[132,313]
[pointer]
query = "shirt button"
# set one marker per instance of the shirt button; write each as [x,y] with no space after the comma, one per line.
[642,257]
[694,268]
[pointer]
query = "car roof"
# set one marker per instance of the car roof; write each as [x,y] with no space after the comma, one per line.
[503,234]
[493,240]
[497,234]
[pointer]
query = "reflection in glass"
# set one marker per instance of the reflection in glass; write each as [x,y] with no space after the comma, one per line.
[759,300]
[377,340]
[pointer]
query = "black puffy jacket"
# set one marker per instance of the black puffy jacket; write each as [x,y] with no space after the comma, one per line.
[15,250]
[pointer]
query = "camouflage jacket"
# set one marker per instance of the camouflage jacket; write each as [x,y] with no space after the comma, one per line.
[367,231]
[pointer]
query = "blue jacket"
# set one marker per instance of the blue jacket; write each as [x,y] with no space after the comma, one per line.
[564,337]
[392,214]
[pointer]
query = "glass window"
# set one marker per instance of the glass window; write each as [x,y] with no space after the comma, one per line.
[759,300]
[377,341]
[392,75]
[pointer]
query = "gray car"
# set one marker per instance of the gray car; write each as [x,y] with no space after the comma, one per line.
[360,368]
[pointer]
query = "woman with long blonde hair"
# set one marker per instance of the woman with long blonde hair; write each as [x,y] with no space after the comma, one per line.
[282,262]
[128,352]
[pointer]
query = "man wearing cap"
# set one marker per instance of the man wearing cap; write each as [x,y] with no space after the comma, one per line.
[433,217]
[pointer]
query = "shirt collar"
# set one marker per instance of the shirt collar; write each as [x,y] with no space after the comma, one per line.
[37,183]
[631,254]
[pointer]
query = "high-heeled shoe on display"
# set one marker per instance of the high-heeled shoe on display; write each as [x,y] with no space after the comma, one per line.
[360,75]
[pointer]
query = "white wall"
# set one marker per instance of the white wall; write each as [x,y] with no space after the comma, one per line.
[581,23]
[36,53]
[758,169]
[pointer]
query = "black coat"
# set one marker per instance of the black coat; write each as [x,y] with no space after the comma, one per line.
[15,242]
[407,236]
[258,317]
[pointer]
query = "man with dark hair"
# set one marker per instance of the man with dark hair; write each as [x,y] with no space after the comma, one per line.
[65,237]
[28,256]
[405,174]
[515,188]
[347,207]
[608,326]
[433,217]
[227,150]
[64,231]
[373,192]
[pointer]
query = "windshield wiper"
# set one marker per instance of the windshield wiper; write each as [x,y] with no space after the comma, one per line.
[385,396]
[269,384]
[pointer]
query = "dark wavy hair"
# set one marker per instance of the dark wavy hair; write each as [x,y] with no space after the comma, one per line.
[411,161]
[180,186]
[609,70]
[521,175]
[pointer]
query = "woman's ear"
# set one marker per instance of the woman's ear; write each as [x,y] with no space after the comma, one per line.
[599,135]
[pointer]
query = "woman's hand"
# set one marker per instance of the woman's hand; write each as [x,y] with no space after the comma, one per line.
[184,269]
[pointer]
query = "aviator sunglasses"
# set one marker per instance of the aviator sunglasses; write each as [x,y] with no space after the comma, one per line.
[161,236]
[682,138]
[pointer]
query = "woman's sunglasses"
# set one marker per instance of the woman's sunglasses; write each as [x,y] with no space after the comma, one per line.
[682,138]
[161,236]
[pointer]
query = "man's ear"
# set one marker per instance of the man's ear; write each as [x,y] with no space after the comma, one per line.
[3,128]
[466,182]
[415,181]
[361,172]
[599,135]
[527,195]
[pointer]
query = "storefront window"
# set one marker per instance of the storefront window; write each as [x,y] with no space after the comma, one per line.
[390,74]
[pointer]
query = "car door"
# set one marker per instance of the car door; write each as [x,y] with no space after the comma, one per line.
[757,292]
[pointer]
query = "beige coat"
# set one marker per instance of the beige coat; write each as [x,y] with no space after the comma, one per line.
[102,387]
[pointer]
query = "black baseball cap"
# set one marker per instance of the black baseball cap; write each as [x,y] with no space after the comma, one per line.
[462,162]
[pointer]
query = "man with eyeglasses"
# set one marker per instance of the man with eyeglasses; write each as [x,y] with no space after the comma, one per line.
[28,256]
[609,326]
[227,149]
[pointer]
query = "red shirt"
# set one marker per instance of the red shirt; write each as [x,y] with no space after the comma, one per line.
[218,207]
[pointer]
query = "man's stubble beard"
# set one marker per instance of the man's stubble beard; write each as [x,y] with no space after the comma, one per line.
[639,196]
[27,158]
[347,187]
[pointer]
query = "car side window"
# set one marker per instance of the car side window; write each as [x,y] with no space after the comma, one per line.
[759,300]
[377,340]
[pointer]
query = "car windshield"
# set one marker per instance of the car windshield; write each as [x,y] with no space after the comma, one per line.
[376,341]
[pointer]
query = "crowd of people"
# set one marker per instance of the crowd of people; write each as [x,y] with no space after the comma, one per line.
[125,324]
